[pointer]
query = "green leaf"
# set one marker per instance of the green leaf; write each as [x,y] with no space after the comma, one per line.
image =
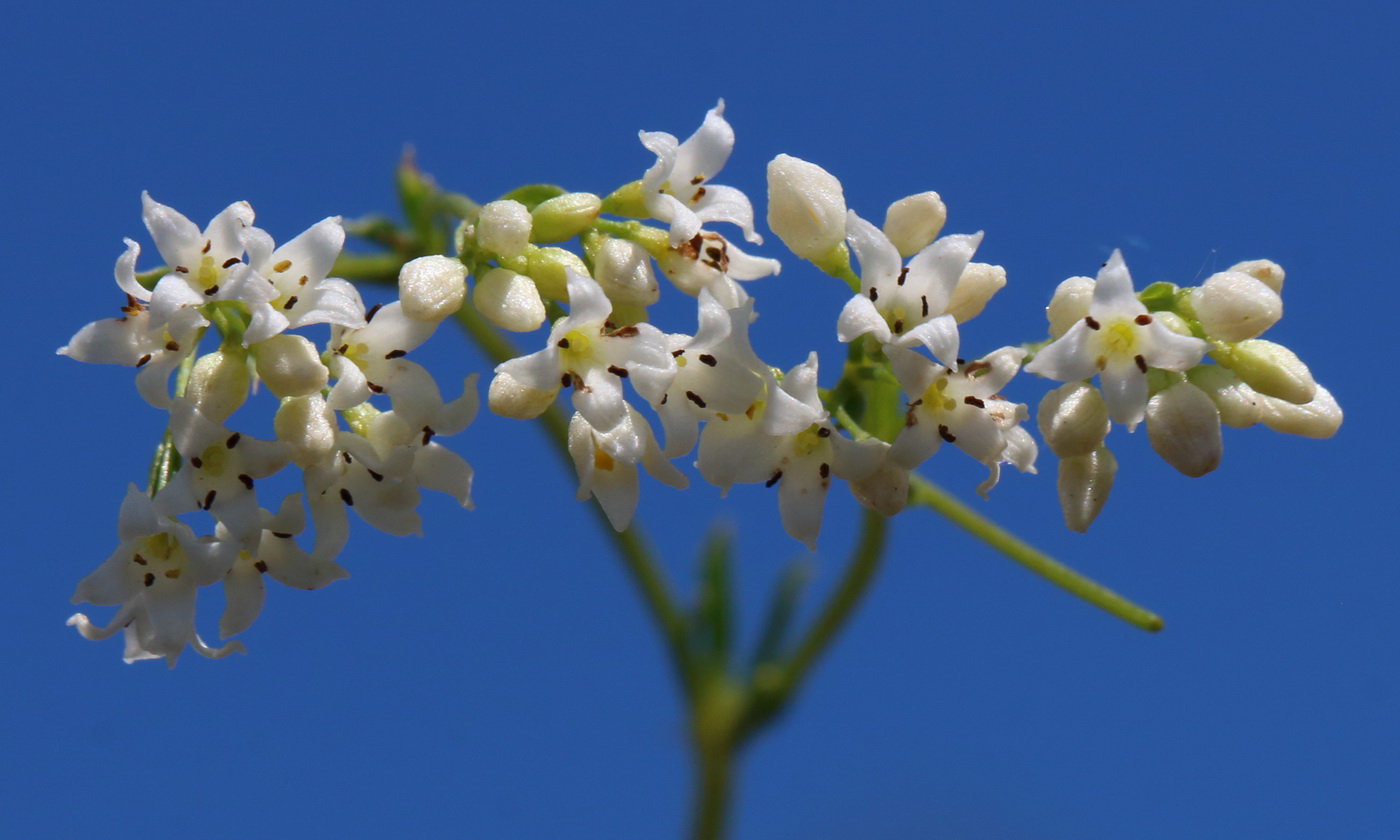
[787,595]
[714,608]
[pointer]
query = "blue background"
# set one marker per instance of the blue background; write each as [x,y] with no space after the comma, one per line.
[498,678]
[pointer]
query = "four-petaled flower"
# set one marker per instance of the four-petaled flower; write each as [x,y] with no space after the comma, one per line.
[676,189]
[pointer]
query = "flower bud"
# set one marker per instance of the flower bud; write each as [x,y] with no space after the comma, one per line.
[1271,369]
[1183,427]
[546,266]
[1073,419]
[1083,484]
[885,491]
[979,281]
[1174,322]
[806,208]
[623,269]
[627,201]
[509,300]
[308,426]
[1233,306]
[1069,304]
[1267,272]
[504,227]
[432,288]
[1317,419]
[564,216]
[509,397]
[218,383]
[1237,403]
[914,221]
[290,366]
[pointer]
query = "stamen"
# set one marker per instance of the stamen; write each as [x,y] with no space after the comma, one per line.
[374,475]
[373,310]
[874,295]
[141,362]
[209,499]
[246,479]
[1141,362]
[282,266]
[1143,320]
[708,359]
[196,462]
[971,400]
[233,440]
[291,301]
[261,566]
[903,272]
[695,398]
[1093,325]
[231,261]
[774,480]
[619,372]
[396,354]
[945,434]
[346,497]
[825,471]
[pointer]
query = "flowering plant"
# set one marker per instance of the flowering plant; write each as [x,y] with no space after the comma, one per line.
[362,422]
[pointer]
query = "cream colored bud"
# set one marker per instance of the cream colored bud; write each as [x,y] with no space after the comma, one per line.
[1073,419]
[806,207]
[1267,272]
[564,216]
[885,491]
[1271,369]
[504,227]
[623,270]
[509,300]
[546,266]
[1183,426]
[218,383]
[914,221]
[1317,419]
[979,281]
[1237,403]
[1070,303]
[308,426]
[509,397]
[1234,306]
[432,288]
[290,366]
[1174,322]
[1083,483]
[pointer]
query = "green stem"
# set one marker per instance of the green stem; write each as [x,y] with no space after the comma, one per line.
[717,710]
[925,492]
[166,460]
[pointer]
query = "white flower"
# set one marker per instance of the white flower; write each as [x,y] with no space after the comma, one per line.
[277,556]
[964,409]
[717,373]
[584,353]
[202,264]
[370,360]
[789,442]
[676,188]
[905,305]
[709,261]
[288,286]
[613,481]
[1119,341]
[154,576]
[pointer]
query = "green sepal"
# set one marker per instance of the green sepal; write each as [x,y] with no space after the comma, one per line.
[713,617]
[1160,297]
[533,195]
[869,393]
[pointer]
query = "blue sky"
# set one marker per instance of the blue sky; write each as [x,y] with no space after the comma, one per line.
[497,678]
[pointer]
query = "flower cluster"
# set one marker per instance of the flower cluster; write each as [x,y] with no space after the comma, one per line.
[1147,351]
[232,277]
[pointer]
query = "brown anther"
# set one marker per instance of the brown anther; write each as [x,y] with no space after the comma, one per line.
[823,432]
[566,380]
[619,372]
[143,360]
[664,398]
[826,471]
[695,398]
[282,266]
[281,535]
[196,462]
[139,560]
[246,479]
[231,261]
[261,566]
[373,310]
[945,434]
[677,353]
[924,299]
[708,359]
[346,497]
[208,243]
[1093,325]
[899,325]
[378,389]
[233,439]
[212,290]
[374,475]
[1143,320]
[428,434]
[1141,362]
[562,344]
[626,332]
[291,301]
[714,253]
[209,499]
[774,480]
[172,573]
[149,579]
[396,354]
[303,280]
[698,179]
[903,273]
[971,400]
[345,456]
[874,295]
[698,194]
[180,269]
[342,348]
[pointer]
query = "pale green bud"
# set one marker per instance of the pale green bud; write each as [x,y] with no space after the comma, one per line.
[432,288]
[1237,403]
[806,208]
[1271,369]
[509,300]
[1070,303]
[1267,272]
[1073,419]
[1183,426]
[564,217]
[290,366]
[914,221]
[547,265]
[979,281]
[218,383]
[627,201]
[1083,484]
[1234,306]
[1319,418]
[308,426]
[504,227]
